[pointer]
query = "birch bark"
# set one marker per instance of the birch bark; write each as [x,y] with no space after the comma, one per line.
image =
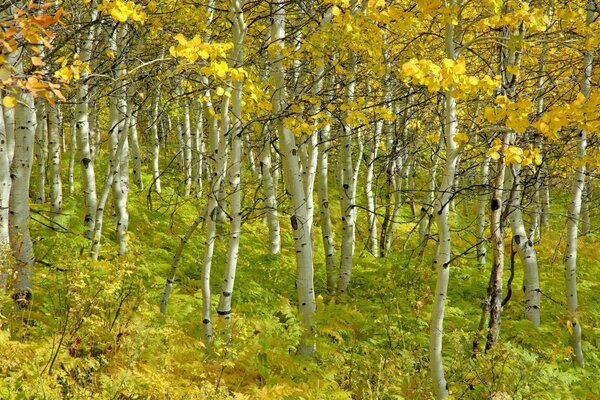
[81,130]
[526,251]
[56,198]
[235,171]
[5,184]
[575,208]
[295,185]
[20,173]
[442,258]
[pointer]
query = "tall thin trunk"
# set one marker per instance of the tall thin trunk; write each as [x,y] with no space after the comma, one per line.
[235,169]
[442,257]
[41,150]
[575,209]
[494,295]
[348,180]
[270,200]
[20,172]
[585,207]
[135,147]
[119,122]
[112,173]
[295,186]
[175,264]
[187,143]
[526,251]
[81,129]
[155,136]
[5,184]
[481,215]
[56,197]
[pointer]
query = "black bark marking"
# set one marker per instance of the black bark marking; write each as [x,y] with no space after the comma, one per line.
[517,239]
[294,222]
[495,204]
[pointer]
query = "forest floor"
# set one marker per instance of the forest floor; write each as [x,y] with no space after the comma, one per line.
[95,330]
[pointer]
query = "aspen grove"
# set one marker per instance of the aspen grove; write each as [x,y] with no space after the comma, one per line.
[295,199]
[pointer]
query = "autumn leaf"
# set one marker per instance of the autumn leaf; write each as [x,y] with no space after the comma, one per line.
[9,101]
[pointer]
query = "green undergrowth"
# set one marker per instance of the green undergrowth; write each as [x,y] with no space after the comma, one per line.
[95,331]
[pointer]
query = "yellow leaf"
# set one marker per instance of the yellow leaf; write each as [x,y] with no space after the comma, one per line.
[9,101]
[220,91]
[118,15]
[461,138]
[335,10]
[489,114]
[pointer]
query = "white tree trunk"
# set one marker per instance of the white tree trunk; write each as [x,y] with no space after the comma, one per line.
[5,184]
[56,197]
[481,217]
[187,147]
[155,135]
[41,150]
[575,209]
[20,171]
[295,185]
[81,130]
[71,170]
[526,251]
[585,207]
[323,193]
[235,168]
[348,182]
[197,150]
[135,147]
[119,122]
[112,173]
[443,254]
[270,201]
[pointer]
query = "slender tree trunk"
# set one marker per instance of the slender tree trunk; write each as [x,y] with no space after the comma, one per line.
[81,130]
[135,148]
[175,264]
[197,150]
[5,185]
[442,258]
[497,241]
[526,251]
[481,217]
[235,170]
[41,150]
[585,207]
[326,228]
[112,173]
[269,193]
[55,163]
[348,181]
[295,186]
[71,171]
[575,208]
[155,136]
[20,172]
[119,122]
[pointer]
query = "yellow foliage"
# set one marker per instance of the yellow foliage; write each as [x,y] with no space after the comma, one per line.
[9,101]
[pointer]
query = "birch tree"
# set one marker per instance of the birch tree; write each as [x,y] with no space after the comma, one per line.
[575,207]
[294,184]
